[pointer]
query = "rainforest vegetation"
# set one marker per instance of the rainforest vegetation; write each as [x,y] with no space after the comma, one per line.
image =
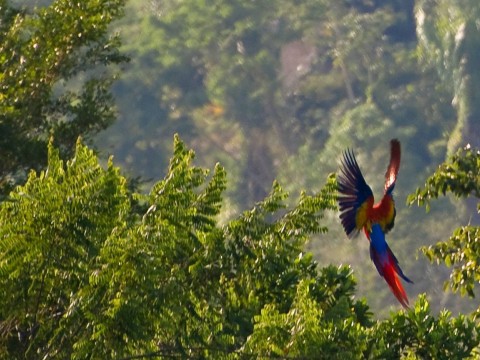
[168,187]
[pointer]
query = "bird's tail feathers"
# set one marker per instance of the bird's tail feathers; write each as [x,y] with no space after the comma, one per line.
[387,266]
[391,277]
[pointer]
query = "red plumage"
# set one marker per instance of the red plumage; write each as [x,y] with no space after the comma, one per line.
[395,285]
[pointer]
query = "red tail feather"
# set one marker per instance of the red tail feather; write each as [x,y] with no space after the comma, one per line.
[395,285]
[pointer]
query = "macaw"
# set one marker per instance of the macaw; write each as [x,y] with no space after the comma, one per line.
[356,200]
[358,212]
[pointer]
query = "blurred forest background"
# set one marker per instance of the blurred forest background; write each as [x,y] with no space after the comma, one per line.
[278,89]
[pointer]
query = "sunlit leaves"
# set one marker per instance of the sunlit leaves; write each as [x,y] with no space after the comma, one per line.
[459,175]
[425,337]
[310,329]
[307,330]
[462,253]
[51,232]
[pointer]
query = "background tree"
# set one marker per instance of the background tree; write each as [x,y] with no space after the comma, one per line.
[449,36]
[54,79]
[248,84]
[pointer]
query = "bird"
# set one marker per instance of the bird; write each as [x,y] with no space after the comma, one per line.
[356,201]
[358,211]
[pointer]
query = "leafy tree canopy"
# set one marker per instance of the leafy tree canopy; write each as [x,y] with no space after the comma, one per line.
[459,175]
[92,270]
[53,79]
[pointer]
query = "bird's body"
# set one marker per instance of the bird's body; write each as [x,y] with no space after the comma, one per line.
[358,211]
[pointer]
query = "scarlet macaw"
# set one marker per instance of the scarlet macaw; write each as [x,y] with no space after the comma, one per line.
[358,211]
[356,202]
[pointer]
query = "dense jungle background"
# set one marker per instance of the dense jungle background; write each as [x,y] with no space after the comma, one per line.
[159,257]
[278,91]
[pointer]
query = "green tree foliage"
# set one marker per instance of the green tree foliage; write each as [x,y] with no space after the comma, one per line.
[309,331]
[65,214]
[100,281]
[459,175]
[90,274]
[53,79]
[192,48]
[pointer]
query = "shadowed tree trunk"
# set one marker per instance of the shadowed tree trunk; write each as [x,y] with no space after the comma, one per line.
[259,171]
[467,94]
[449,34]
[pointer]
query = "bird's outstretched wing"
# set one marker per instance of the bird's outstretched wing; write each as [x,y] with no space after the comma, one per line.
[356,197]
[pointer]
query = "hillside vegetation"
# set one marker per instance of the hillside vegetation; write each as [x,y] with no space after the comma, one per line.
[230,246]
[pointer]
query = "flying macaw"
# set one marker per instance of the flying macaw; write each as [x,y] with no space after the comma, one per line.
[358,211]
[356,200]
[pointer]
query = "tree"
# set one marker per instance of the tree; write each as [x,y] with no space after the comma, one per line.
[87,275]
[54,80]
[83,264]
[214,74]
[458,175]
[449,39]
